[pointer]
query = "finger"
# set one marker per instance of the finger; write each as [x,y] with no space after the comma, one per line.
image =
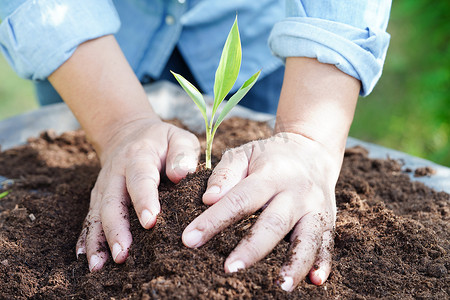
[322,266]
[273,224]
[231,169]
[244,199]
[182,155]
[306,240]
[96,248]
[114,217]
[81,242]
[142,180]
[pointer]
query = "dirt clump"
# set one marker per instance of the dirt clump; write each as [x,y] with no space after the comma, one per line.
[424,171]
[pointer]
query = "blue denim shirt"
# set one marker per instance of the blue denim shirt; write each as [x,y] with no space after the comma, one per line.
[37,36]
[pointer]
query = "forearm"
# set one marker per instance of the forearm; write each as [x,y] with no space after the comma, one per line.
[101,89]
[317,101]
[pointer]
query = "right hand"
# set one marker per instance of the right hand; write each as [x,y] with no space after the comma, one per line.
[131,164]
[133,145]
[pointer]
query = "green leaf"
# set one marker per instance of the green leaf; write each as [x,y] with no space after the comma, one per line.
[192,91]
[243,90]
[229,65]
[4,194]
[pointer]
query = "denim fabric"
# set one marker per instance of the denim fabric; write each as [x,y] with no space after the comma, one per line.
[350,34]
[37,36]
[199,30]
[45,93]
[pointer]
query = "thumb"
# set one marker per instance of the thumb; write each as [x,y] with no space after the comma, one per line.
[182,154]
[232,168]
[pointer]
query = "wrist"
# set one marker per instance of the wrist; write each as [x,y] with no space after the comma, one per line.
[115,130]
[314,150]
[318,102]
[101,89]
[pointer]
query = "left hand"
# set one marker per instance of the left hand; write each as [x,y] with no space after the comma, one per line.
[292,178]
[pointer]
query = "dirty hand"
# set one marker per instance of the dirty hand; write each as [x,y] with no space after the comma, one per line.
[292,179]
[133,145]
[131,166]
[290,176]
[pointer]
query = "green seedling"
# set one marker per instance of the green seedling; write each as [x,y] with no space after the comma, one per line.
[4,194]
[226,75]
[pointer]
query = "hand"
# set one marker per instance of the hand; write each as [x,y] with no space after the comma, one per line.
[131,165]
[292,178]
[133,145]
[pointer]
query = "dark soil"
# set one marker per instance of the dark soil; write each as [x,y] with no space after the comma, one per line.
[424,171]
[392,235]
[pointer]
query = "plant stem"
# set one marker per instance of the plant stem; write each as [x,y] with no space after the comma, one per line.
[208,155]
[209,139]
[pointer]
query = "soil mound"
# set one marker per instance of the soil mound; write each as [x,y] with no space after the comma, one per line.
[392,235]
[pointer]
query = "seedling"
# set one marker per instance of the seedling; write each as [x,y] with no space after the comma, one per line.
[226,75]
[4,194]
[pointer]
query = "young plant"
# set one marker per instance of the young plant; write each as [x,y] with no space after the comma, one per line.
[4,194]
[226,75]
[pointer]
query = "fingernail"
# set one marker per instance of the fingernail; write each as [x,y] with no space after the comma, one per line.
[116,250]
[94,261]
[322,275]
[214,189]
[146,217]
[188,164]
[287,283]
[193,238]
[236,266]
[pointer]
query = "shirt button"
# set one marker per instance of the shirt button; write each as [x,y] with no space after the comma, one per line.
[170,20]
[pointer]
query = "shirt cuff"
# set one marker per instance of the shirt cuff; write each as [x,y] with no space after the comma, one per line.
[39,36]
[357,52]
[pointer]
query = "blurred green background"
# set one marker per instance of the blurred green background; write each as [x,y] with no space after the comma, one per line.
[409,110]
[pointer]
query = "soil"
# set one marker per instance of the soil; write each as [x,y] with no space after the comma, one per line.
[392,235]
[424,171]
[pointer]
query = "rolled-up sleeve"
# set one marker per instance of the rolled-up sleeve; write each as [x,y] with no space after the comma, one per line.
[37,37]
[349,34]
